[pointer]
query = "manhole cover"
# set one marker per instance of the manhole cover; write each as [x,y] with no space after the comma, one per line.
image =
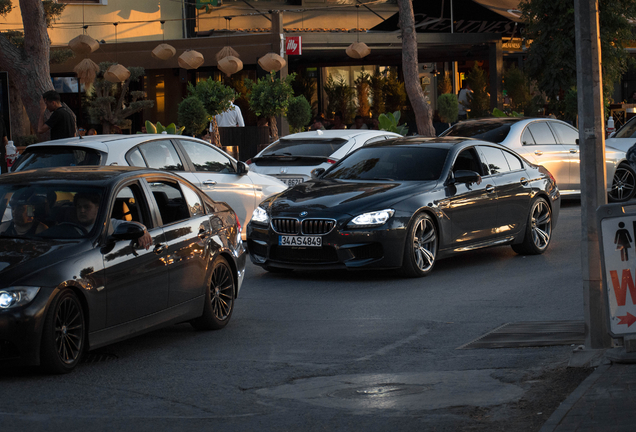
[97,357]
[380,391]
[531,334]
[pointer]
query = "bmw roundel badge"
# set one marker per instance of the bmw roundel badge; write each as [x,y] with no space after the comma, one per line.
[303,214]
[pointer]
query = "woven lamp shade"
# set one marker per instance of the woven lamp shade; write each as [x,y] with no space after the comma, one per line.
[191,59]
[357,50]
[272,62]
[226,51]
[83,44]
[230,65]
[86,71]
[163,51]
[116,73]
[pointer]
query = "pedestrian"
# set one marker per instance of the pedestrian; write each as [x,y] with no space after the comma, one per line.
[91,131]
[358,123]
[316,125]
[81,131]
[61,122]
[3,149]
[337,121]
[230,118]
[464,97]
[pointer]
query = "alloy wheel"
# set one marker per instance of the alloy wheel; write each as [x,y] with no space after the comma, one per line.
[623,184]
[222,292]
[541,224]
[425,244]
[69,330]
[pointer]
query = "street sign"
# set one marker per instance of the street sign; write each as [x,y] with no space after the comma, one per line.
[293,45]
[618,253]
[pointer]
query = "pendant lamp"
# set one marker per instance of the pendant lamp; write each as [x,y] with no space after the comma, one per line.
[163,51]
[191,59]
[358,50]
[272,62]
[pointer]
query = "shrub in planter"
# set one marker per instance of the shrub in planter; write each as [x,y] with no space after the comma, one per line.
[192,115]
[298,113]
[448,107]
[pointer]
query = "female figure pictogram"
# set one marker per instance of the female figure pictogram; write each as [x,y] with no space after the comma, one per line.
[623,241]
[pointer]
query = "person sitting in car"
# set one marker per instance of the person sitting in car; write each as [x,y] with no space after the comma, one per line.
[87,207]
[23,221]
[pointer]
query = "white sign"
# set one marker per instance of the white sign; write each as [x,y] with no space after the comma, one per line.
[618,241]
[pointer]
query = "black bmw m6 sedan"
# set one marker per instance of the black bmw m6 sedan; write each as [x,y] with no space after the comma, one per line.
[404,204]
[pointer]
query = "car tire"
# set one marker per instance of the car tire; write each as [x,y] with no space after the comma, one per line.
[219,298]
[538,231]
[623,184]
[277,269]
[420,248]
[63,334]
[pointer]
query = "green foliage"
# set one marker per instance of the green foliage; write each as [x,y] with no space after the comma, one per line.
[496,112]
[394,92]
[571,105]
[479,101]
[58,56]
[192,115]
[5,7]
[448,107]
[444,85]
[362,84]
[340,96]
[306,86]
[518,88]
[215,95]
[377,93]
[299,113]
[158,128]
[270,96]
[26,140]
[389,122]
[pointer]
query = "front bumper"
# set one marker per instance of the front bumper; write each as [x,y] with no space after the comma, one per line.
[380,247]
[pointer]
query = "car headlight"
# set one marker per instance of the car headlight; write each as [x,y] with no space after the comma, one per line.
[17,296]
[260,216]
[371,219]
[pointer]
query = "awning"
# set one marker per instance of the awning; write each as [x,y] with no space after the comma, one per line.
[468,16]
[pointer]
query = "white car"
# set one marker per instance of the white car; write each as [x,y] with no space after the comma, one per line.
[216,173]
[553,144]
[292,158]
[624,137]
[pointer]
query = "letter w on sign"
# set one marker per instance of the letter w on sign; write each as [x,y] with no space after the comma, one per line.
[620,288]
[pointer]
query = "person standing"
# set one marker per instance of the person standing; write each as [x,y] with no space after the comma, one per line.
[61,123]
[230,118]
[3,149]
[358,123]
[464,97]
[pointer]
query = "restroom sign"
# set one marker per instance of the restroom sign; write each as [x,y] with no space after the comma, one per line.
[293,45]
[618,252]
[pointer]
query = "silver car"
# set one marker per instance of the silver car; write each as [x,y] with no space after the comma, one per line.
[220,176]
[553,144]
[292,158]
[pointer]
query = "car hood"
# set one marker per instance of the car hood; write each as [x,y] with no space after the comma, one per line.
[21,257]
[620,144]
[348,197]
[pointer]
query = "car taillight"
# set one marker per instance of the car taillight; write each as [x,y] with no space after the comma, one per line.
[551,177]
[331,161]
[248,162]
[238,224]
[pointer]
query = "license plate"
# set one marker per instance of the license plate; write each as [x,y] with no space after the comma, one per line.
[291,181]
[304,241]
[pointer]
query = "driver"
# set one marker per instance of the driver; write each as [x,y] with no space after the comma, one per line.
[23,222]
[87,206]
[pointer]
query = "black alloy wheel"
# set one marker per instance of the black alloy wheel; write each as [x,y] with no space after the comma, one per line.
[623,184]
[420,250]
[538,229]
[64,333]
[219,298]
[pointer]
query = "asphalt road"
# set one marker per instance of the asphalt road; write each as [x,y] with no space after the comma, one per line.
[335,351]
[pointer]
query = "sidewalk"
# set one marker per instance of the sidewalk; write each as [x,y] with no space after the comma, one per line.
[605,401]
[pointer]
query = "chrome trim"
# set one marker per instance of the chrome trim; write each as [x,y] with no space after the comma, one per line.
[484,244]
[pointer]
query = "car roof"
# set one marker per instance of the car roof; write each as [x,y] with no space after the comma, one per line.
[440,142]
[336,133]
[104,142]
[95,175]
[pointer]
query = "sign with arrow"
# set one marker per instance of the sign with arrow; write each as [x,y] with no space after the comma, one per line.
[618,251]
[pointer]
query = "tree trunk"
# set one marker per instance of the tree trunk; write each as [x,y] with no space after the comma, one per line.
[423,114]
[18,126]
[273,129]
[215,133]
[28,66]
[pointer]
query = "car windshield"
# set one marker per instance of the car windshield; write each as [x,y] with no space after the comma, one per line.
[308,147]
[48,211]
[628,130]
[491,131]
[44,157]
[390,163]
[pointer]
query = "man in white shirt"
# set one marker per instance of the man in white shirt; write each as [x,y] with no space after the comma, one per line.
[464,98]
[230,118]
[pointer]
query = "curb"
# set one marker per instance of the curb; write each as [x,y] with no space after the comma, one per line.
[565,407]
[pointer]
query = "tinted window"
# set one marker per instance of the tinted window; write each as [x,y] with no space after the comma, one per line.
[628,130]
[308,147]
[127,206]
[160,155]
[170,201]
[136,159]
[495,159]
[542,133]
[526,137]
[488,131]
[467,160]
[44,157]
[513,161]
[207,158]
[567,135]
[393,163]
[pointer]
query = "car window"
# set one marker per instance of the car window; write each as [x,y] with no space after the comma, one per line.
[468,160]
[304,147]
[488,131]
[567,134]
[207,158]
[159,155]
[43,157]
[128,205]
[514,162]
[135,158]
[628,130]
[527,138]
[542,133]
[193,200]
[495,159]
[375,139]
[170,201]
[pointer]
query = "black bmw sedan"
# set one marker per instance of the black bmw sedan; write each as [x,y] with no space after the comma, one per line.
[404,204]
[92,256]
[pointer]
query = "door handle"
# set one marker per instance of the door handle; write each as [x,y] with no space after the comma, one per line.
[160,248]
[523,181]
[203,233]
[490,188]
[538,153]
[209,183]
[574,150]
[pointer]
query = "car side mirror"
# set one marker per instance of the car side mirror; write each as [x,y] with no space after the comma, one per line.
[317,172]
[466,176]
[128,231]
[612,134]
[242,168]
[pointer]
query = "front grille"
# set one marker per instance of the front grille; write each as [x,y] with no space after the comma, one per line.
[285,226]
[325,254]
[317,226]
